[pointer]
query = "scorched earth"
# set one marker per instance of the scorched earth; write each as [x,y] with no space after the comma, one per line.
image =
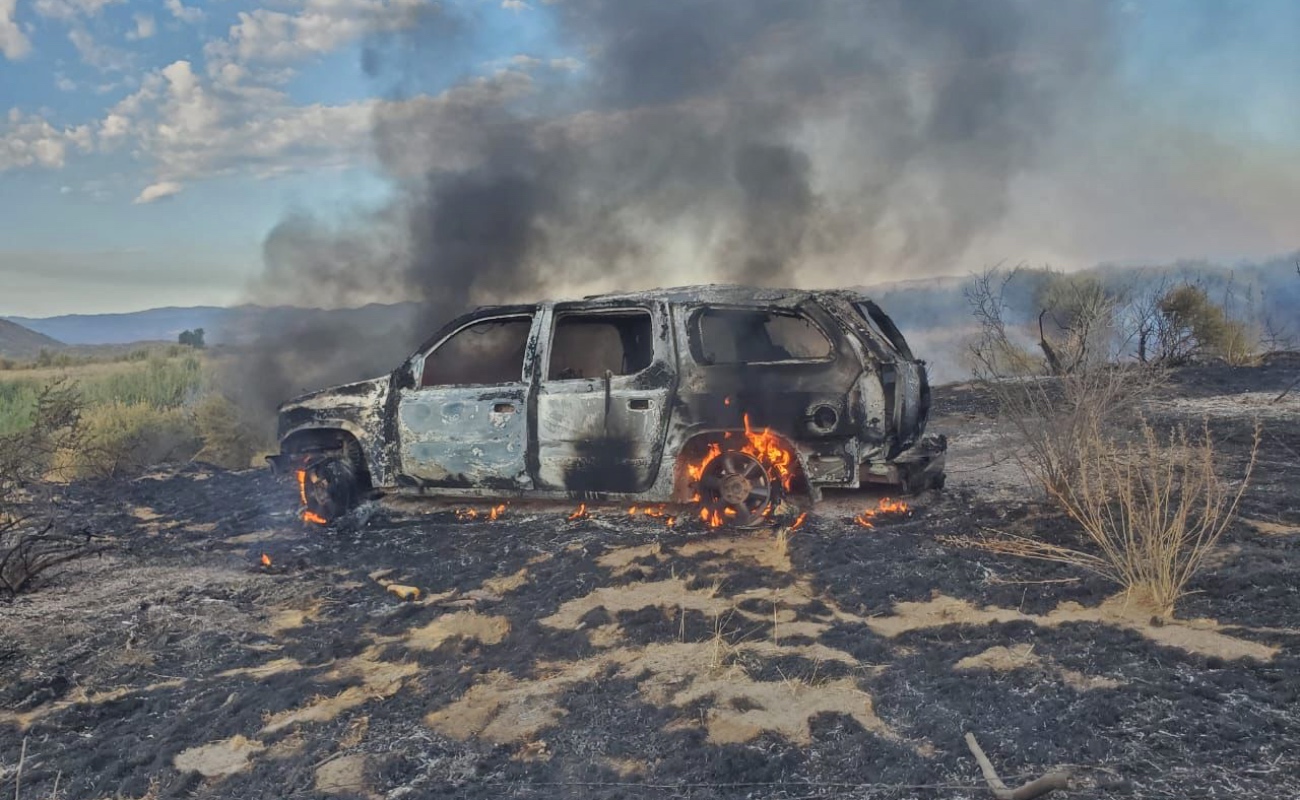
[220,648]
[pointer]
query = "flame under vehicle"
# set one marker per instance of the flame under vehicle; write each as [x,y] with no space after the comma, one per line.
[731,398]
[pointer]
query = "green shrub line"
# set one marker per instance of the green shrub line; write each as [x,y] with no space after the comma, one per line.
[137,412]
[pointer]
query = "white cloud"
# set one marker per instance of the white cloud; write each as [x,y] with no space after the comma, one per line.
[315,28]
[100,56]
[71,9]
[145,27]
[64,84]
[515,5]
[157,191]
[190,126]
[27,141]
[183,12]
[13,43]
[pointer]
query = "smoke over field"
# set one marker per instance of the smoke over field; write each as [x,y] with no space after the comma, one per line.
[767,143]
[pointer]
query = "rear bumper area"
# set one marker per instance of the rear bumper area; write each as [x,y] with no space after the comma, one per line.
[916,469]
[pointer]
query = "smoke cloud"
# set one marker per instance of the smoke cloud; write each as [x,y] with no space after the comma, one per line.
[762,142]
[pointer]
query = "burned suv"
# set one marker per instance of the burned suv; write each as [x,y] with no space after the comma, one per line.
[732,398]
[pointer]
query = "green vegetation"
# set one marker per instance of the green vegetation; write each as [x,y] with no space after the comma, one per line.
[140,408]
[192,338]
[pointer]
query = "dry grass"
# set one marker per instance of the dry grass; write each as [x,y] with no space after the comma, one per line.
[1154,508]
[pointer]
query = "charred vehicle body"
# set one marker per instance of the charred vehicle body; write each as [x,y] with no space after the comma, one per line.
[732,398]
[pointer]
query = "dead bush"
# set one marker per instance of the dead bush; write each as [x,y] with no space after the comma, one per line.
[30,547]
[31,540]
[1154,507]
[1074,393]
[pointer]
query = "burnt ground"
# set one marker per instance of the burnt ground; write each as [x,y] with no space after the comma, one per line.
[611,657]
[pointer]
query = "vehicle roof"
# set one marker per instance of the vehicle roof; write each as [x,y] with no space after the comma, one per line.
[709,293]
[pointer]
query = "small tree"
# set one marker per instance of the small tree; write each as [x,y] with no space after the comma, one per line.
[192,338]
[1076,321]
[1187,325]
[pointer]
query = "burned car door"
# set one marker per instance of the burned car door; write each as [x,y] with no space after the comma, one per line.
[607,378]
[464,422]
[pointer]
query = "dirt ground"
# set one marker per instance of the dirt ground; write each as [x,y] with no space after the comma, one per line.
[412,654]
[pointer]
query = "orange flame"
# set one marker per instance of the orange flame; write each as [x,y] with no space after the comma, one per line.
[307,515]
[798,522]
[654,512]
[579,513]
[762,445]
[266,560]
[493,514]
[884,506]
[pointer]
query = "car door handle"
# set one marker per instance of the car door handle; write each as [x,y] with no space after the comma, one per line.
[503,408]
[639,404]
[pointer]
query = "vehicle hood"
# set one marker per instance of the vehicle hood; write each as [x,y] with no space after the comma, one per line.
[361,394]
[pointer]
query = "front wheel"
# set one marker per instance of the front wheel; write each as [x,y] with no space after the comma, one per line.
[328,488]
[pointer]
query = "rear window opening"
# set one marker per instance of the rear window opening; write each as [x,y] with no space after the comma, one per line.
[745,336]
[882,326]
[589,345]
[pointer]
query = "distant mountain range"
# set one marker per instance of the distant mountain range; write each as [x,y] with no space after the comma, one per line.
[934,314]
[233,325]
[20,342]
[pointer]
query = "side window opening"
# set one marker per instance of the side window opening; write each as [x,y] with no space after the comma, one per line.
[490,351]
[585,345]
[737,336]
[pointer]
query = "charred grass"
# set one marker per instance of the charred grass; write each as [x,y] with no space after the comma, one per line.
[608,658]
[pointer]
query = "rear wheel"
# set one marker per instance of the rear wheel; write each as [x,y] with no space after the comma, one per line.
[735,489]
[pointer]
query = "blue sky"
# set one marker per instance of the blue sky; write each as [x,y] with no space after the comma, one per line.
[148,146]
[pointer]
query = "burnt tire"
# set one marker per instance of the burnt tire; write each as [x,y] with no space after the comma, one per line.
[736,490]
[331,489]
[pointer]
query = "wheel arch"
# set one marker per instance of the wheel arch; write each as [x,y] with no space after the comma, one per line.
[332,437]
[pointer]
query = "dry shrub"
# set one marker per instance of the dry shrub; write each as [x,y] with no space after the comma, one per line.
[30,547]
[122,438]
[228,438]
[1154,508]
[1053,413]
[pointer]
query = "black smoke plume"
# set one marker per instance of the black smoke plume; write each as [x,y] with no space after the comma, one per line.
[762,142]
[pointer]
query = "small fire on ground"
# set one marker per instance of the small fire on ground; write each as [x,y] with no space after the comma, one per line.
[654,512]
[884,508]
[491,515]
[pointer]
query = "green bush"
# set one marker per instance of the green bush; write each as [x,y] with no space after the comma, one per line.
[1195,326]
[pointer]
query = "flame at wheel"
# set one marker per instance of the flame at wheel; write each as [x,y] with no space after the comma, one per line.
[734,489]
